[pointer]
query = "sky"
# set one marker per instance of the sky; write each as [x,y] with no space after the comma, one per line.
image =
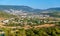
[37,4]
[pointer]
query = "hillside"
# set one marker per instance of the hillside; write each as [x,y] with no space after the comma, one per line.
[27,9]
[52,14]
[23,8]
[5,15]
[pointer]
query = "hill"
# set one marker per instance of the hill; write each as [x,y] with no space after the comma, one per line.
[26,9]
[23,8]
[5,15]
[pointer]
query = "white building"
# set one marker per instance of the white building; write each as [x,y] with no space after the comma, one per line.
[5,21]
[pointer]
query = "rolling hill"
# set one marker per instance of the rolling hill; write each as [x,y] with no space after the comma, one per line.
[6,15]
[26,9]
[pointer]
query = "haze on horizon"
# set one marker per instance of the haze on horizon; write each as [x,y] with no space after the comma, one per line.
[39,4]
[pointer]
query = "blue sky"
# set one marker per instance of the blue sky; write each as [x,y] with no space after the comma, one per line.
[40,4]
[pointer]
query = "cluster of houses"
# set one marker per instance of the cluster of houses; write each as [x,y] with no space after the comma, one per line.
[37,16]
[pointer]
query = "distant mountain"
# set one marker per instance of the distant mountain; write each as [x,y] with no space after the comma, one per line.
[56,9]
[21,9]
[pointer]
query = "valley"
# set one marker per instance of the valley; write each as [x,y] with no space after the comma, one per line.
[26,21]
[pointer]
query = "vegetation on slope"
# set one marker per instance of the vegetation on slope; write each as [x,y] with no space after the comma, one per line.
[51,31]
[5,15]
